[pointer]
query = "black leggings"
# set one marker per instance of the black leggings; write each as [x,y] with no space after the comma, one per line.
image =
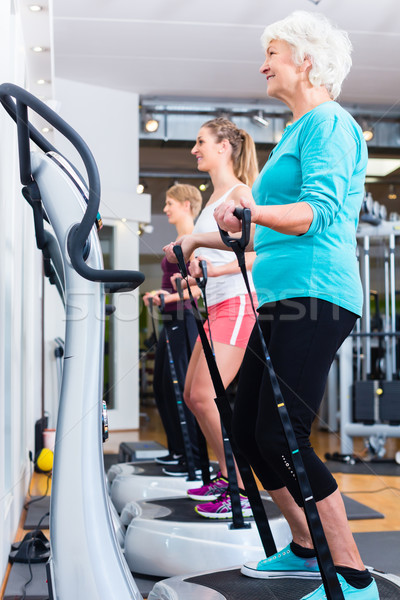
[302,336]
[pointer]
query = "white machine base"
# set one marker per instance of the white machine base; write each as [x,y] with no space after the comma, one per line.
[154,546]
[126,482]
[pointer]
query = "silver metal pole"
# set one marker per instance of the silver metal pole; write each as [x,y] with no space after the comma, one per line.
[367,309]
[388,341]
[392,250]
[346,386]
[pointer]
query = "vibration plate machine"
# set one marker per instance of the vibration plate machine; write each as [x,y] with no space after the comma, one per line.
[86,557]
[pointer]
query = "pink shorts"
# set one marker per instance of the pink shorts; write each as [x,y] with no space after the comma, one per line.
[231,321]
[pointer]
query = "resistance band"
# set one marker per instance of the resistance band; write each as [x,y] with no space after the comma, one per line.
[201,440]
[178,397]
[328,572]
[237,513]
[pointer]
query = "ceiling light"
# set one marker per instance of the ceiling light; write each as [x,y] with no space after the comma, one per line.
[150,124]
[380,167]
[145,228]
[42,81]
[260,120]
[392,193]
[140,188]
[367,130]
[38,49]
[35,7]
[204,186]
[46,129]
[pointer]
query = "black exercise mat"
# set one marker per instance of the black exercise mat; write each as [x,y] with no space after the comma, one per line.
[109,460]
[19,575]
[182,510]
[37,508]
[153,469]
[355,510]
[381,550]
[235,586]
[364,468]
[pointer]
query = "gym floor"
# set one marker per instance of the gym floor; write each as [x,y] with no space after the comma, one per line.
[379,492]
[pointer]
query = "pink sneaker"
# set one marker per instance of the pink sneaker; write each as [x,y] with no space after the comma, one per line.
[221,508]
[210,491]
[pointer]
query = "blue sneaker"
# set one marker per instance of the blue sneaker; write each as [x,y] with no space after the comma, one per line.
[283,565]
[349,592]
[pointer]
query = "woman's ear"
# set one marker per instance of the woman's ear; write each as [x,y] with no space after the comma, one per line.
[306,64]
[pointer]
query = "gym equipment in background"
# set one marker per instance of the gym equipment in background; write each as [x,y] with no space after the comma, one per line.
[369,360]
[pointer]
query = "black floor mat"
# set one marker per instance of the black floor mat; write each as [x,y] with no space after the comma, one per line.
[109,460]
[20,575]
[381,550]
[235,586]
[37,507]
[355,510]
[364,468]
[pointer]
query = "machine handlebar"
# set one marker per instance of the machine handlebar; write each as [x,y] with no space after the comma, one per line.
[18,111]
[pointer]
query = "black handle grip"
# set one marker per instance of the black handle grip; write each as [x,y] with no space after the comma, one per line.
[162,302]
[238,212]
[238,244]
[181,261]
[202,282]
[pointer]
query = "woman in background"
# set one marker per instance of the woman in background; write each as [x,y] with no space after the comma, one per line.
[182,205]
[228,154]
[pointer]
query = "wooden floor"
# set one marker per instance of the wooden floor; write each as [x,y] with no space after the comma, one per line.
[381,493]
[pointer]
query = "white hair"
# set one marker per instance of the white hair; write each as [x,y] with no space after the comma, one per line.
[313,36]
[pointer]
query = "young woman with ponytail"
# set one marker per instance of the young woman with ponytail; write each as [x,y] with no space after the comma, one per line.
[228,154]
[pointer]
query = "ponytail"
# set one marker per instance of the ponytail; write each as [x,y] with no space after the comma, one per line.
[247,163]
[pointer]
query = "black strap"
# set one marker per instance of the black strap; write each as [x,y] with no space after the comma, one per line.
[237,514]
[225,411]
[201,440]
[328,572]
[179,400]
[152,319]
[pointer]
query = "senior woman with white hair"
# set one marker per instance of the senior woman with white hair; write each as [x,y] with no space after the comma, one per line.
[306,204]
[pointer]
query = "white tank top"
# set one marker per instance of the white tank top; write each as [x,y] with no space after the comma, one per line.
[223,287]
